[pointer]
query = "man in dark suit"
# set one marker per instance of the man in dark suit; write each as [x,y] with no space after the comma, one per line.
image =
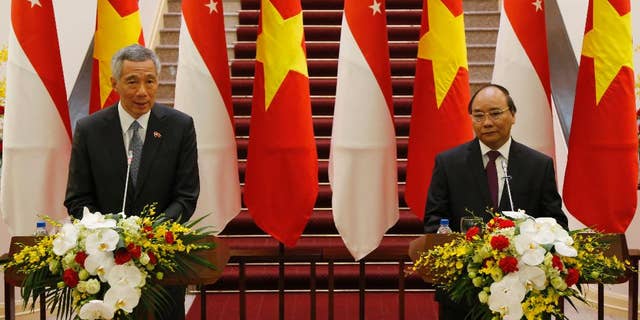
[161,144]
[460,185]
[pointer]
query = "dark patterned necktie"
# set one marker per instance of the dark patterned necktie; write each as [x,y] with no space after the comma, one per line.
[492,177]
[135,145]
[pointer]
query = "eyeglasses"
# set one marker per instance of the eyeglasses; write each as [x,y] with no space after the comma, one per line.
[493,115]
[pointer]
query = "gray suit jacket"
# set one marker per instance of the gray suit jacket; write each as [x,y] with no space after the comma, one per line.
[459,183]
[168,173]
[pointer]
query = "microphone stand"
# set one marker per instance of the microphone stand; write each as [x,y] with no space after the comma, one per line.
[126,182]
[506,178]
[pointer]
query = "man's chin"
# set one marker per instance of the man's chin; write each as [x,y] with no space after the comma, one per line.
[492,141]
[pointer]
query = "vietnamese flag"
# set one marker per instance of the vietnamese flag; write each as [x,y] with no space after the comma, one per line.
[439,116]
[362,162]
[37,129]
[117,26]
[281,182]
[522,66]
[203,90]
[600,183]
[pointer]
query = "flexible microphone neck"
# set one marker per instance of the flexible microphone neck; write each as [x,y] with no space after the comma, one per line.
[126,182]
[506,178]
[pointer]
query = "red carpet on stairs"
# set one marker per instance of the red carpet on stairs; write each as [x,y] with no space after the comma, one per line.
[264,306]
[322,23]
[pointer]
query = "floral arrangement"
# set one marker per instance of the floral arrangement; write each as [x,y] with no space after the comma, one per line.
[3,83]
[3,90]
[104,266]
[519,266]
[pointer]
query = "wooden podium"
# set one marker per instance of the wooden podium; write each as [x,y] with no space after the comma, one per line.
[617,247]
[201,275]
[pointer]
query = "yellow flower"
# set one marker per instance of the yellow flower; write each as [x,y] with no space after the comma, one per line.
[3,82]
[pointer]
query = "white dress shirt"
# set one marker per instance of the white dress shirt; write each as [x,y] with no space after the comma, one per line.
[125,122]
[504,157]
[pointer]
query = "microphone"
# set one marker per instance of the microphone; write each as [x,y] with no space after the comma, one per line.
[506,178]
[126,182]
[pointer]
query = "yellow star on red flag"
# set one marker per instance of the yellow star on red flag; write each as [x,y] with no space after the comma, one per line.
[279,48]
[609,44]
[445,46]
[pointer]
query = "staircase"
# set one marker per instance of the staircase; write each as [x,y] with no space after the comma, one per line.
[322,20]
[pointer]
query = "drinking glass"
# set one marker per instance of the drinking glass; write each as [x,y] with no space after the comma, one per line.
[467,222]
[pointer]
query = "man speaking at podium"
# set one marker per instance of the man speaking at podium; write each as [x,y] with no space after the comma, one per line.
[156,142]
[469,178]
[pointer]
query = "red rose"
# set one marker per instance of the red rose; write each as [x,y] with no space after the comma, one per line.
[168,237]
[70,278]
[556,262]
[573,275]
[499,242]
[505,223]
[149,231]
[500,223]
[152,258]
[508,264]
[81,256]
[122,256]
[472,232]
[134,250]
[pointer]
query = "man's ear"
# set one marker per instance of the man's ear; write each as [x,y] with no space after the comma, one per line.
[113,83]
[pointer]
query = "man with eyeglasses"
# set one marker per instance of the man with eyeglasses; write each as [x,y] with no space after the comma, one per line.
[464,180]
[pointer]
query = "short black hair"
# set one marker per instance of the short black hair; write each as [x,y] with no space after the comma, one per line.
[510,103]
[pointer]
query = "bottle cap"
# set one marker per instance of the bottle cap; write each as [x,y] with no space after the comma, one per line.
[41,224]
[444,221]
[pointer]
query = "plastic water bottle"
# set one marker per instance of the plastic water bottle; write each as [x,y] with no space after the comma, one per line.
[444,227]
[41,229]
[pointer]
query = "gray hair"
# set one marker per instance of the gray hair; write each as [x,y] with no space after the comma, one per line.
[134,52]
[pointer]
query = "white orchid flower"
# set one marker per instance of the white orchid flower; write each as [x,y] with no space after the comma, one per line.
[566,250]
[532,277]
[99,264]
[125,275]
[96,309]
[96,220]
[102,240]
[506,297]
[122,298]
[547,232]
[530,251]
[66,239]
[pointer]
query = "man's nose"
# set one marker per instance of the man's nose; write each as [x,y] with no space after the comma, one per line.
[142,91]
[486,121]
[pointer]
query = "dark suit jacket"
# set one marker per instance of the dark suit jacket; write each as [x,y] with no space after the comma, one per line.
[459,183]
[168,173]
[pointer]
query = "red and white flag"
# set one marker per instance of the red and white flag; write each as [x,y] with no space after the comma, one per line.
[37,130]
[439,116]
[203,90]
[522,66]
[600,184]
[362,164]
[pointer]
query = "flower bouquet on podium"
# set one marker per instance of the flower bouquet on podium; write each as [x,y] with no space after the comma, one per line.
[104,266]
[517,266]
